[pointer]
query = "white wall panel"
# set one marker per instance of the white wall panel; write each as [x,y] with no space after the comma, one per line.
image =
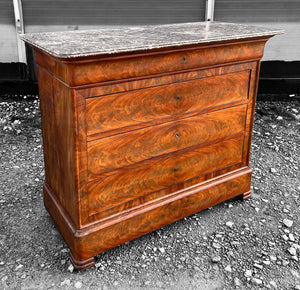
[8,40]
[281,14]
[8,43]
[285,46]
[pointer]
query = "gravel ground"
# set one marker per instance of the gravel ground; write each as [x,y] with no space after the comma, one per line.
[235,245]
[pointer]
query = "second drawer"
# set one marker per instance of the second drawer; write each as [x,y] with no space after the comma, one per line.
[113,152]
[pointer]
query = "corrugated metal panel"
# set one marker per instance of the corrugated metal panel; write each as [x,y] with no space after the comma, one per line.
[257,10]
[112,12]
[7,12]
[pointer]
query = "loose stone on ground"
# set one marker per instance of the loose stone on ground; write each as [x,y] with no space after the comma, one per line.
[288,223]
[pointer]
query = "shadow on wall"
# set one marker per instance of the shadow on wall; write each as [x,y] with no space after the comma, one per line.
[278,77]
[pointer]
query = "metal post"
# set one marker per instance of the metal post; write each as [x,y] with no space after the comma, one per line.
[209,12]
[20,30]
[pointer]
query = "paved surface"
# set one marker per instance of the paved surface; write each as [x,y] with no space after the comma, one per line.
[235,245]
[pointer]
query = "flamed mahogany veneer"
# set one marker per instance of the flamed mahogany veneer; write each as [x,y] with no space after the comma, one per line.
[143,126]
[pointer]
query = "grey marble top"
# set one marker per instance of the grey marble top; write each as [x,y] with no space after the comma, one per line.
[80,43]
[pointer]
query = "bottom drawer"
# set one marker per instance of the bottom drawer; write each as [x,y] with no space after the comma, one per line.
[162,172]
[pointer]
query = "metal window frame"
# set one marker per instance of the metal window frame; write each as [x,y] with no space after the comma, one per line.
[19,22]
[209,12]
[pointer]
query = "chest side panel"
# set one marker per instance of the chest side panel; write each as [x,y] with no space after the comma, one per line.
[57,112]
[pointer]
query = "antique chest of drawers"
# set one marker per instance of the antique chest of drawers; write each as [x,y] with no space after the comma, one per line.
[143,126]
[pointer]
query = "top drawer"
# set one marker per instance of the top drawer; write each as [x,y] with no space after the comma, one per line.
[130,108]
[103,68]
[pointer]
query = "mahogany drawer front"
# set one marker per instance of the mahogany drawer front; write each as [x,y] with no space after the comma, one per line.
[114,87]
[115,68]
[158,173]
[120,110]
[124,149]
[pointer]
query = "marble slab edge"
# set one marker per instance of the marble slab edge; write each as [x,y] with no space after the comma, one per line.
[87,43]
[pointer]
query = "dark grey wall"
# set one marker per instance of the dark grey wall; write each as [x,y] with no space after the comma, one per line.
[257,10]
[7,12]
[110,12]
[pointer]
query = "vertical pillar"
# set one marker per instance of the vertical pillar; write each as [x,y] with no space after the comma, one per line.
[209,12]
[20,30]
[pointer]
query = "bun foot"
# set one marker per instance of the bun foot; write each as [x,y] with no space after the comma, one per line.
[246,195]
[81,265]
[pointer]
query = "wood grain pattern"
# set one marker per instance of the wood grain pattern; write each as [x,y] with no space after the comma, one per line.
[130,85]
[128,225]
[246,195]
[126,85]
[107,68]
[124,149]
[80,158]
[58,140]
[81,265]
[250,113]
[156,195]
[162,172]
[163,63]
[164,101]
[184,203]
[135,141]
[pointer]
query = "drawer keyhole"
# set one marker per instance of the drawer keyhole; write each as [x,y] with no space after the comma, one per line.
[184,58]
[177,135]
[178,98]
[175,169]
